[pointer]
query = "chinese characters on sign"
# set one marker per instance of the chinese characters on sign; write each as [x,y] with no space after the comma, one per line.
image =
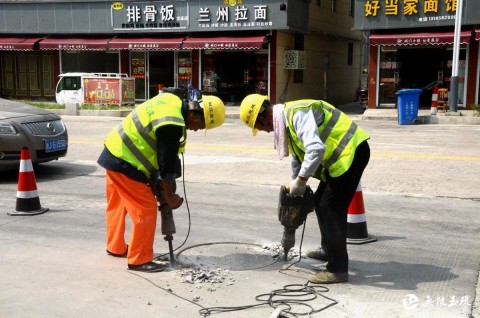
[411,8]
[104,91]
[72,47]
[413,41]
[411,301]
[234,17]
[138,68]
[185,69]
[179,15]
[150,15]
[217,45]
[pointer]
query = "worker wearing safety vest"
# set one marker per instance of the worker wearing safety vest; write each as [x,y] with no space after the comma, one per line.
[145,147]
[327,145]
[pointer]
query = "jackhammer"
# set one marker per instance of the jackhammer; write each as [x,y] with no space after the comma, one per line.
[166,215]
[292,212]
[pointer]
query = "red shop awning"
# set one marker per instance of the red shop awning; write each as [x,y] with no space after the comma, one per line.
[477,35]
[224,43]
[17,44]
[74,44]
[145,43]
[418,38]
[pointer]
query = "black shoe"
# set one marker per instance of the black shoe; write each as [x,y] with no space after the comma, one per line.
[319,254]
[149,267]
[118,255]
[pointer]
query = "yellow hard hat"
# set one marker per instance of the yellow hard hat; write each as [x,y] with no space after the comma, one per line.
[249,109]
[213,110]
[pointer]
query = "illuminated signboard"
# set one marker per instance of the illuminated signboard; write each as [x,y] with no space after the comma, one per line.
[388,14]
[152,15]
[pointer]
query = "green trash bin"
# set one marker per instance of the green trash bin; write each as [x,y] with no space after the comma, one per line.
[408,100]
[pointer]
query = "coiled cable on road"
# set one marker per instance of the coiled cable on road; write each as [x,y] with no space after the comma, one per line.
[286,298]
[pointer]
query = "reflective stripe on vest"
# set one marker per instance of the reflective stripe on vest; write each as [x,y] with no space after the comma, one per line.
[135,141]
[338,132]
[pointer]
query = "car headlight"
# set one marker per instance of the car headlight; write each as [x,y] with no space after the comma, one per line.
[7,129]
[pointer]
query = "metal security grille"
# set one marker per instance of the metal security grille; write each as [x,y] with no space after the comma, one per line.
[44,128]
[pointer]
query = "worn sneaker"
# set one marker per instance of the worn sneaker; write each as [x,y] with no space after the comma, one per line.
[149,267]
[326,277]
[319,254]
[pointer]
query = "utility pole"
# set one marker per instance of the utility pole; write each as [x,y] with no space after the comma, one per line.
[453,100]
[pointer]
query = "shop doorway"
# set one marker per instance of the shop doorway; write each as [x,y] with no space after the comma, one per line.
[151,68]
[138,69]
[420,68]
[161,71]
[231,75]
[407,68]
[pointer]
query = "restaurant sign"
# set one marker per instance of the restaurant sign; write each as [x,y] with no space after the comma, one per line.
[388,14]
[150,15]
[183,15]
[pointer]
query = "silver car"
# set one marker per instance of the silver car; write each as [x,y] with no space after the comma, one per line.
[42,131]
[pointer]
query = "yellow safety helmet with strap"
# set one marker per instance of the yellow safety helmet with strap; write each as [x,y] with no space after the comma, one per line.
[213,110]
[249,109]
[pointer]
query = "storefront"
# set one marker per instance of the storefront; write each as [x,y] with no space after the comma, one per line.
[417,60]
[220,48]
[25,72]
[231,67]
[152,61]
[411,46]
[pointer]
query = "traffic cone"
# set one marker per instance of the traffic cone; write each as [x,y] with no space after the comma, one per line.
[28,202]
[357,221]
[434,107]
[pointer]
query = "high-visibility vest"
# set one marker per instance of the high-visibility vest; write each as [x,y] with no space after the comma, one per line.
[134,139]
[338,132]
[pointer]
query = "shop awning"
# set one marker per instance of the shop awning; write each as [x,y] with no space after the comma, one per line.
[145,43]
[224,43]
[17,44]
[477,34]
[418,38]
[74,44]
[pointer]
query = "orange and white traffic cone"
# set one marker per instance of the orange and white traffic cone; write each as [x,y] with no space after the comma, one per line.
[28,202]
[434,107]
[357,221]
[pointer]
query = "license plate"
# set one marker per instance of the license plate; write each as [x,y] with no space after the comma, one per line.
[55,145]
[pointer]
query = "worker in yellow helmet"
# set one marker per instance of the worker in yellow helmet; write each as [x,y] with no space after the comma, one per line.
[145,147]
[327,145]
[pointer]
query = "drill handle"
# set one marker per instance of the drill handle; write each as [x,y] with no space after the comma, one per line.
[157,189]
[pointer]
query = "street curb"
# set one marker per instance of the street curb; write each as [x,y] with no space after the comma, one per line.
[432,119]
[119,113]
[369,115]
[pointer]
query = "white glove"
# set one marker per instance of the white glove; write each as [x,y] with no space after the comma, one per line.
[298,187]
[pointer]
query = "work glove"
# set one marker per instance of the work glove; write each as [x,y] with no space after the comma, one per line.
[173,200]
[297,187]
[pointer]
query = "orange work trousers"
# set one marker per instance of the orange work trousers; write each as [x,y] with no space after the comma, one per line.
[125,195]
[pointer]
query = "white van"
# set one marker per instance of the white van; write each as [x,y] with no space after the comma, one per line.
[95,88]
